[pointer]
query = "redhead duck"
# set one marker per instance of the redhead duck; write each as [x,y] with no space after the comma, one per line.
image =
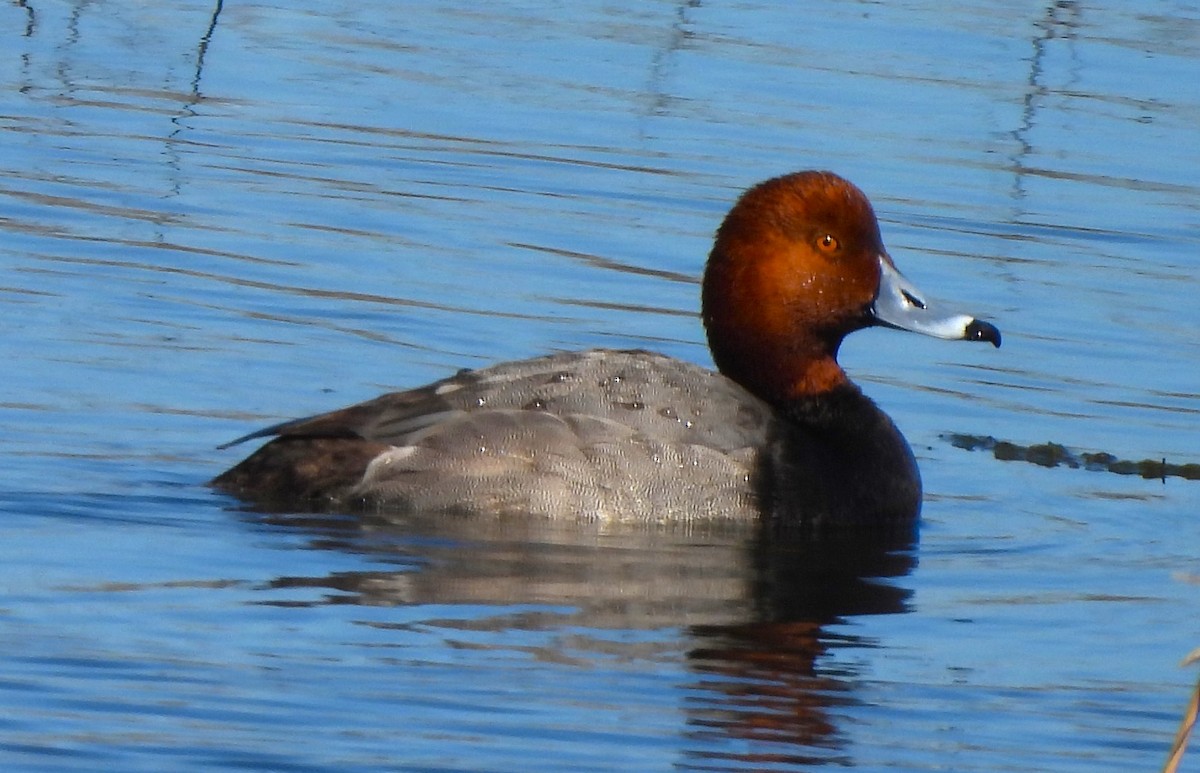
[779,433]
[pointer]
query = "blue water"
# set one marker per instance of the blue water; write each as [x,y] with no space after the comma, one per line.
[216,216]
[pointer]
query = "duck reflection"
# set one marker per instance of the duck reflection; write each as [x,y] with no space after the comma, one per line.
[751,606]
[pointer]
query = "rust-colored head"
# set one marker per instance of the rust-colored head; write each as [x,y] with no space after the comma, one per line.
[797,265]
[794,269]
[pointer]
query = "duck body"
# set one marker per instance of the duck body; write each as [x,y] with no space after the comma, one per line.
[595,435]
[780,434]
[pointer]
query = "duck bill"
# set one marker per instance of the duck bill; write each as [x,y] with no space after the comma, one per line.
[901,305]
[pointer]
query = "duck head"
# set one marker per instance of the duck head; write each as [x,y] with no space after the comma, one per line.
[797,265]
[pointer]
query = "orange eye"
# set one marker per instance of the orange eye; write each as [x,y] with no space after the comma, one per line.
[828,243]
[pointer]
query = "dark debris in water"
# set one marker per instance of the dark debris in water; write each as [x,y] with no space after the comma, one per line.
[1056,455]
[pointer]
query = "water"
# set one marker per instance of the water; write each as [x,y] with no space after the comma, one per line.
[216,216]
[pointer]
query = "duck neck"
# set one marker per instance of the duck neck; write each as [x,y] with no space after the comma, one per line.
[810,377]
[843,411]
[782,380]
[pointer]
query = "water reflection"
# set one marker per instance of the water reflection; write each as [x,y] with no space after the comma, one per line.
[753,607]
[1058,23]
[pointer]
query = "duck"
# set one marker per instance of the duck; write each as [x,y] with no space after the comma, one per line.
[778,433]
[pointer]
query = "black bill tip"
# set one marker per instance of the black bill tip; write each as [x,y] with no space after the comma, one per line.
[983,331]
